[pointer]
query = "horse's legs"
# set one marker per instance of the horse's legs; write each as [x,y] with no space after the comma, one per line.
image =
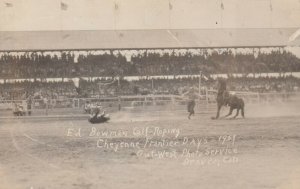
[230,112]
[191,112]
[218,112]
[190,115]
[237,112]
[242,112]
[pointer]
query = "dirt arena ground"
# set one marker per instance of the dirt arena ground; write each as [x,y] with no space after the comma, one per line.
[261,151]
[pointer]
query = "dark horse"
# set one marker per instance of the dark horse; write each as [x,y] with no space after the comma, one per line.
[234,102]
[226,99]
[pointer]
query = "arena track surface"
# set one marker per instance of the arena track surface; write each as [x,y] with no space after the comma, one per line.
[39,154]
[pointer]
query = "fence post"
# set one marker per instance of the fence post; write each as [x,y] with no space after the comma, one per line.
[173,102]
[47,106]
[119,103]
[206,96]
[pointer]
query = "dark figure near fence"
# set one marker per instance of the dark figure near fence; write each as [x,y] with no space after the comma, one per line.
[29,105]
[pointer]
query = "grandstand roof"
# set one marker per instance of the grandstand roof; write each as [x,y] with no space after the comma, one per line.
[137,39]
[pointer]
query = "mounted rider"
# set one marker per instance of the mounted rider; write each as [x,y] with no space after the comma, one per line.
[224,98]
[221,87]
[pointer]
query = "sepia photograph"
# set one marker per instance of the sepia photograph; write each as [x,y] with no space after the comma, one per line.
[149,94]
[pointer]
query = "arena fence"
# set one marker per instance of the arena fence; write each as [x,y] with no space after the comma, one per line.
[172,102]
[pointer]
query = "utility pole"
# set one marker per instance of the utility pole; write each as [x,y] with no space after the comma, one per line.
[200,75]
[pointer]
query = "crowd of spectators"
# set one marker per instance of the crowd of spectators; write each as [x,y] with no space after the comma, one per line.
[50,90]
[67,64]
[116,63]
[265,84]
[260,84]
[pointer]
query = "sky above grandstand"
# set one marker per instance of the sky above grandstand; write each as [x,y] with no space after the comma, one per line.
[28,15]
[45,15]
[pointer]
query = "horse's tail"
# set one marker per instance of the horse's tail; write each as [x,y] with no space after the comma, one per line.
[242,108]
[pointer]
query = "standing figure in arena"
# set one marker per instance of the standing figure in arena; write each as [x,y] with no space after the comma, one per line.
[87,107]
[192,96]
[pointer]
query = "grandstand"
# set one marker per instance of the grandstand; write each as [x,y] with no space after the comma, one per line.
[170,65]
